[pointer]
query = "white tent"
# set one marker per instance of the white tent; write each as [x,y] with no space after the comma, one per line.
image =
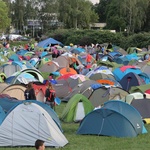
[28,122]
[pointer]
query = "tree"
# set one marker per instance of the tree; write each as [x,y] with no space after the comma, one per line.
[76,13]
[49,14]
[134,12]
[4,19]
[147,22]
[100,9]
[114,19]
[130,13]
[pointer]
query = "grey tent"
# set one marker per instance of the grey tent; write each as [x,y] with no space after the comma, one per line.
[142,105]
[92,90]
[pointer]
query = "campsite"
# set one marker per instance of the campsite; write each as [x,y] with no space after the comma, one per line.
[74,75]
[106,105]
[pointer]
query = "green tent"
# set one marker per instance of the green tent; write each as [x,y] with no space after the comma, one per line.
[2,74]
[141,88]
[77,107]
[3,59]
[131,50]
[109,64]
[40,63]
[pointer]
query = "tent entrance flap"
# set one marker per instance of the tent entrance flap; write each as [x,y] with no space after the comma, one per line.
[80,114]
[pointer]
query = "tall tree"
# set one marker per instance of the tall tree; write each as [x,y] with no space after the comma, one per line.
[49,13]
[114,18]
[147,22]
[4,17]
[129,13]
[100,9]
[76,13]
[134,12]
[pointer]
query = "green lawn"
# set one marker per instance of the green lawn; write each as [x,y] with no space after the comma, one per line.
[89,142]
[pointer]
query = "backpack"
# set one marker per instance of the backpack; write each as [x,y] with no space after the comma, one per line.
[52,96]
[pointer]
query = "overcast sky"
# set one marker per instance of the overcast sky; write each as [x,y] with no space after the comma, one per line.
[94,1]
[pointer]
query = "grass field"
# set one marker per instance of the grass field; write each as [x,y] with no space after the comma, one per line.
[89,142]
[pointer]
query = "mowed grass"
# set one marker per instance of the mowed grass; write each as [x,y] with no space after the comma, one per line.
[91,142]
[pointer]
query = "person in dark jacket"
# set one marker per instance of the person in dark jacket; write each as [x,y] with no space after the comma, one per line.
[50,95]
[29,93]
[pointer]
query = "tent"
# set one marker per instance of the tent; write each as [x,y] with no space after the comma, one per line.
[142,105]
[115,118]
[98,76]
[46,42]
[121,60]
[3,86]
[40,62]
[119,73]
[81,88]
[141,88]
[76,109]
[145,77]
[146,69]
[50,66]
[131,79]
[25,76]
[65,84]
[92,90]
[131,50]
[7,103]
[15,90]
[10,68]
[116,93]
[67,70]
[62,88]
[26,122]
[101,69]
[62,61]
[128,98]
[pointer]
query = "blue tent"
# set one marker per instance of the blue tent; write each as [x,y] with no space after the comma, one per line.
[21,52]
[45,43]
[78,50]
[121,60]
[115,118]
[145,77]
[131,79]
[118,74]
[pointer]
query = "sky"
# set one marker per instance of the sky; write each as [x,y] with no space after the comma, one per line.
[94,1]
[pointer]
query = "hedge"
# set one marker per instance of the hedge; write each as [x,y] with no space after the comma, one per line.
[86,37]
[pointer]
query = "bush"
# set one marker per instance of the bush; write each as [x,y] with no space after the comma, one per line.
[86,37]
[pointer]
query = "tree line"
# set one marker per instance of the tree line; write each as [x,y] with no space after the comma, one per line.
[130,16]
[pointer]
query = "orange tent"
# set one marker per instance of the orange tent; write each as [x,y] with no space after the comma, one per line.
[65,70]
[104,81]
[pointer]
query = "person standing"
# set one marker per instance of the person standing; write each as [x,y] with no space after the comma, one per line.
[39,144]
[88,58]
[29,93]
[50,95]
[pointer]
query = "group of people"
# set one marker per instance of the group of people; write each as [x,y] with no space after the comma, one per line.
[50,94]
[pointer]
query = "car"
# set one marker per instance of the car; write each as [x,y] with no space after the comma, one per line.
[23,38]
[13,37]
